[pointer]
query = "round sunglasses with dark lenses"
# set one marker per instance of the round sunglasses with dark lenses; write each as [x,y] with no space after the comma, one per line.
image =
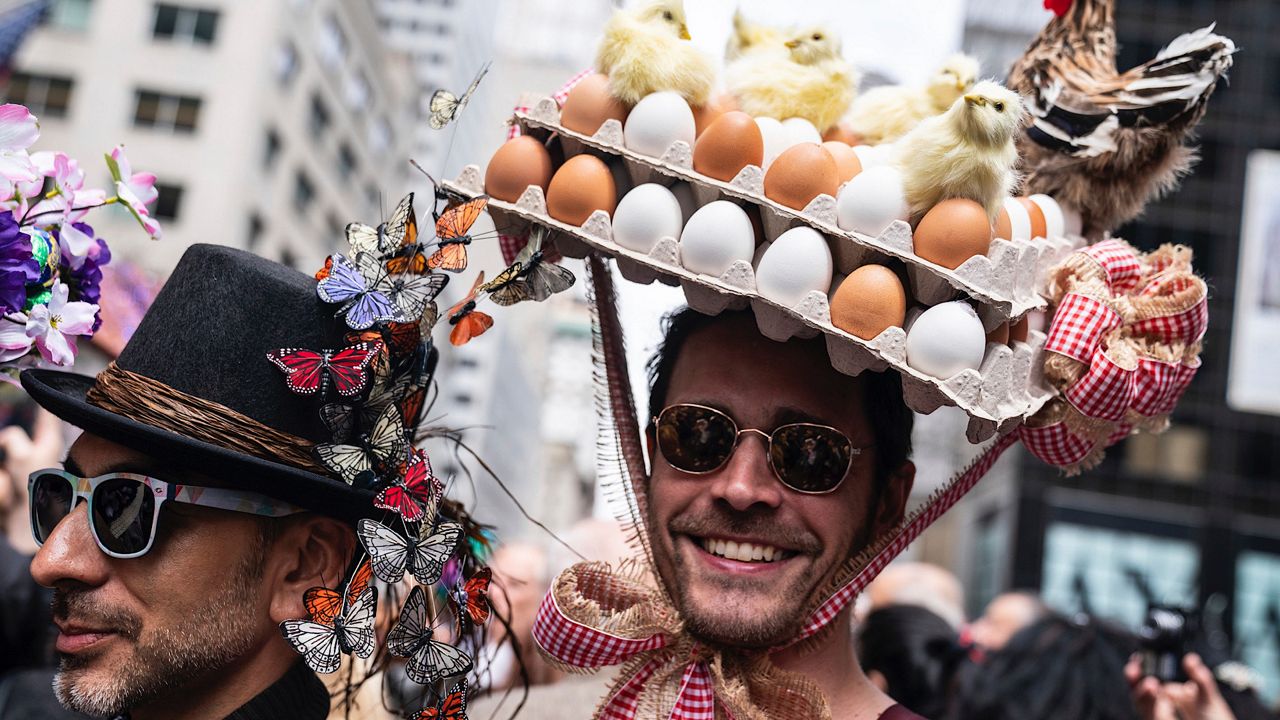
[124,508]
[806,457]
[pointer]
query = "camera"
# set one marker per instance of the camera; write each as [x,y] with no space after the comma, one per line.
[1165,637]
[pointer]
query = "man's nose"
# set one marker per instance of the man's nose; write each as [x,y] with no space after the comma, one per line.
[747,480]
[70,553]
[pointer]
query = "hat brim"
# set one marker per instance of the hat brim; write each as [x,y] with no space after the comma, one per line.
[63,394]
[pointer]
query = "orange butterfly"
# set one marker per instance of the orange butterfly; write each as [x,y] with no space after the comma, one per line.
[468,322]
[453,229]
[411,260]
[324,605]
[323,272]
[452,707]
[473,597]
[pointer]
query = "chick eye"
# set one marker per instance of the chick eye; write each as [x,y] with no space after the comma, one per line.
[999,106]
[666,15]
[817,36]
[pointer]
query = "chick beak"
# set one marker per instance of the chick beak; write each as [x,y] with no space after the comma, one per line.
[975,100]
[961,85]
[793,44]
[684,32]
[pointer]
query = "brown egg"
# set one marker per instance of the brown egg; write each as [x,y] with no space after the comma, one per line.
[800,174]
[847,162]
[1018,331]
[870,300]
[953,231]
[704,115]
[1004,226]
[519,163]
[580,187]
[589,104]
[1039,228]
[1000,335]
[843,133]
[731,143]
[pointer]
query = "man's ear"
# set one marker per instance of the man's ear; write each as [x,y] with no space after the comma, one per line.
[312,551]
[893,499]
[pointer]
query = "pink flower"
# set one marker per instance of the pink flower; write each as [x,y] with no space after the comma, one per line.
[142,185]
[19,130]
[139,210]
[14,341]
[53,327]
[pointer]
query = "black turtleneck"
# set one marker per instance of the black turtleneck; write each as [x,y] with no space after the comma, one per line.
[298,695]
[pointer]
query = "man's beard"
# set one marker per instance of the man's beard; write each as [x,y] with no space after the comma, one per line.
[164,658]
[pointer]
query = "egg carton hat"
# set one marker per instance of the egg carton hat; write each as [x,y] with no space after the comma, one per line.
[1121,345]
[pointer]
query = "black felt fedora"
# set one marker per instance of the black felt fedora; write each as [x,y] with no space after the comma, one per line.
[206,336]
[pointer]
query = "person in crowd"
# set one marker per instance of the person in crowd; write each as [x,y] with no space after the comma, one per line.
[1005,616]
[1057,668]
[520,579]
[919,583]
[912,654]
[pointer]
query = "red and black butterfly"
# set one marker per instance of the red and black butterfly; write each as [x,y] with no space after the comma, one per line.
[310,371]
[416,495]
[324,604]
[470,600]
[452,707]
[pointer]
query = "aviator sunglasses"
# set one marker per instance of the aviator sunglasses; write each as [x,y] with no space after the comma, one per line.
[806,457]
[124,508]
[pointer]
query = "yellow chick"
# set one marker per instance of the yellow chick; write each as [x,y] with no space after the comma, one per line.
[885,114]
[811,81]
[967,152]
[749,37]
[646,50]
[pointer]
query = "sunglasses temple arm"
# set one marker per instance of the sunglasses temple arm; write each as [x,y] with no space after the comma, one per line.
[234,500]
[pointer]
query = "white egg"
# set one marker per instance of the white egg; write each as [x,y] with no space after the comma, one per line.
[946,339]
[644,216]
[797,262]
[1055,223]
[801,131]
[715,237]
[1019,220]
[656,122]
[776,139]
[874,155]
[872,200]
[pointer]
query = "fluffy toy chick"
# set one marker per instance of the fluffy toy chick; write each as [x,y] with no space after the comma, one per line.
[967,152]
[646,49]
[885,114]
[811,81]
[749,37]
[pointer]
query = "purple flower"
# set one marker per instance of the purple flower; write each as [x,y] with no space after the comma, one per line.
[17,266]
[83,256]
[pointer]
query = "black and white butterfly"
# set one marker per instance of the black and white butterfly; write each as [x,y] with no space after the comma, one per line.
[399,230]
[322,644]
[384,446]
[423,556]
[446,107]
[429,660]
[530,276]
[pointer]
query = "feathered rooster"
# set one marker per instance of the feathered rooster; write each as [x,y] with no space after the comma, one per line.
[1102,142]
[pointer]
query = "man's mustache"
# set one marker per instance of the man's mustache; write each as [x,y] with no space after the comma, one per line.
[757,526]
[79,608]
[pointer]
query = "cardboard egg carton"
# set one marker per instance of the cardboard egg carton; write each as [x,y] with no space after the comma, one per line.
[999,395]
[1005,279]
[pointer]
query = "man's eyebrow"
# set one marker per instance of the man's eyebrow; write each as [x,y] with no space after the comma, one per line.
[70,465]
[132,465]
[787,414]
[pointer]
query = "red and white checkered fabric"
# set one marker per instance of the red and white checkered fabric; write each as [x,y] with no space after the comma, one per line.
[1079,326]
[581,646]
[696,700]
[1185,327]
[1055,444]
[1119,262]
[1105,392]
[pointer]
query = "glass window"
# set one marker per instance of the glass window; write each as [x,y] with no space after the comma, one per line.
[186,24]
[286,63]
[320,119]
[168,201]
[44,95]
[69,14]
[333,42]
[1257,617]
[162,111]
[347,163]
[271,149]
[304,192]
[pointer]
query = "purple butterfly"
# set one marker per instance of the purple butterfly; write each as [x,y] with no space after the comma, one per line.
[349,285]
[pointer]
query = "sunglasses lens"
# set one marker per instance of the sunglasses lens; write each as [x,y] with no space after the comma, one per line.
[50,502]
[810,458]
[123,515]
[695,439]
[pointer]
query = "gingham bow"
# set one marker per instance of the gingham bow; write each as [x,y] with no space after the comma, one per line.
[1123,346]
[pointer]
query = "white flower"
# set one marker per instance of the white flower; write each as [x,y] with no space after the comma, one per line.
[52,327]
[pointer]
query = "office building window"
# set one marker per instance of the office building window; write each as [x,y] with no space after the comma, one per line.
[304,192]
[185,24]
[320,119]
[254,236]
[357,91]
[44,95]
[271,149]
[69,14]
[333,42]
[162,111]
[168,202]
[347,163]
[286,63]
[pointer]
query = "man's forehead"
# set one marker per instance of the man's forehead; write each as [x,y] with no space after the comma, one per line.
[91,455]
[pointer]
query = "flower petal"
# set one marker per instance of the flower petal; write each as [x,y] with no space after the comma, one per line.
[19,129]
[77,318]
[16,167]
[56,349]
[76,245]
[13,333]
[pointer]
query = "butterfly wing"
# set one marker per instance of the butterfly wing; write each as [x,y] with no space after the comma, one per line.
[303,369]
[323,604]
[412,627]
[476,594]
[344,283]
[401,229]
[432,552]
[450,256]
[410,261]
[455,222]
[347,461]
[359,581]
[444,105]
[546,279]
[340,419]
[369,308]
[411,406]
[356,631]
[318,644]
[411,293]
[388,551]
[436,661]
[363,239]
[506,289]
[387,441]
[472,325]
[397,499]
[452,707]
[404,337]
[349,367]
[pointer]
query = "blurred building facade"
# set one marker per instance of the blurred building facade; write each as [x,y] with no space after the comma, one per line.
[270,124]
[1188,517]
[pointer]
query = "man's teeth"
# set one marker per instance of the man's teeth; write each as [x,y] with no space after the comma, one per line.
[743,552]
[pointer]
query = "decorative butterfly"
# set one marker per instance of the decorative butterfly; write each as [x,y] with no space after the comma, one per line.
[452,707]
[322,644]
[454,232]
[445,106]
[529,277]
[399,231]
[415,496]
[347,286]
[311,371]
[473,597]
[429,660]
[384,446]
[324,604]
[412,293]
[468,322]
[423,556]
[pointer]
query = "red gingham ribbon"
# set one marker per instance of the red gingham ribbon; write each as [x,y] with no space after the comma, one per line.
[1119,263]
[1079,326]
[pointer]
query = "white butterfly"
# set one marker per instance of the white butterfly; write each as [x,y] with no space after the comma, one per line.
[386,445]
[429,660]
[424,556]
[445,106]
[322,646]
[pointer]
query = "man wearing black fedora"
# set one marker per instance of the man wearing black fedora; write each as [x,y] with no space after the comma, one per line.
[204,518]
